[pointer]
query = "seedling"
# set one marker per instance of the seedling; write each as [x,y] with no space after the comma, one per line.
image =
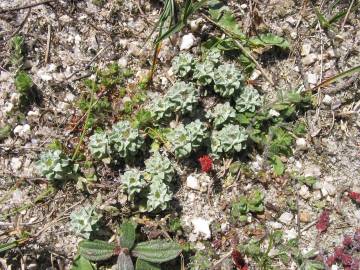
[149,254]
[254,203]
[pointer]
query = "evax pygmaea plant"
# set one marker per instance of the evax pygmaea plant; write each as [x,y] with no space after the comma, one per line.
[125,140]
[99,145]
[161,109]
[231,138]
[213,55]
[185,139]
[183,97]
[179,141]
[222,114]
[197,133]
[84,221]
[56,166]
[133,182]
[159,195]
[182,64]
[228,80]
[249,100]
[204,72]
[161,166]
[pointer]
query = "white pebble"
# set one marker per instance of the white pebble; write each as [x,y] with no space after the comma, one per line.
[301,144]
[15,163]
[22,131]
[327,100]
[286,218]
[201,227]
[187,42]
[305,49]
[192,182]
[304,192]
[312,78]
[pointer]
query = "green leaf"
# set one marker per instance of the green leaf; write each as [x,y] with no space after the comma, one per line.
[127,234]
[269,39]
[144,265]
[80,263]
[312,265]
[256,197]
[157,251]
[308,180]
[97,250]
[5,132]
[23,82]
[226,19]
[7,246]
[278,165]
[124,262]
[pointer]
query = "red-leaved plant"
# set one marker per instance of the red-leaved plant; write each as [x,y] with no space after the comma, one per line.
[205,163]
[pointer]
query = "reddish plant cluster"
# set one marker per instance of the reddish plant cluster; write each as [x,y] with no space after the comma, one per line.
[323,222]
[205,163]
[238,260]
[343,254]
[355,196]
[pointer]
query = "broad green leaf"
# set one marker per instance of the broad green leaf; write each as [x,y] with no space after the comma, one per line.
[80,263]
[124,262]
[127,234]
[278,165]
[223,16]
[7,246]
[269,39]
[97,250]
[157,251]
[144,265]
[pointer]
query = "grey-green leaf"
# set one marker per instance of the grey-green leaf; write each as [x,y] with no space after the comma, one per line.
[127,234]
[97,250]
[157,251]
[144,265]
[80,263]
[124,262]
[264,40]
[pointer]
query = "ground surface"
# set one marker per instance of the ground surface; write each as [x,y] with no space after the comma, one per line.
[83,35]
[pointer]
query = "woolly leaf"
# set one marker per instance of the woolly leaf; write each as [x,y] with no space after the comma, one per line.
[97,250]
[124,262]
[80,263]
[127,235]
[144,265]
[157,251]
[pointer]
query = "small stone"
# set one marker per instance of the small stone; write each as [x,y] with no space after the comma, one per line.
[15,98]
[255,75]
[312,170]
[305,49]
[293,35]
[201,227]
[291,20]
[290,234]
[192,182]
[304,217]
[328,189]
[15,163]
[275,225]
[304,192]
[187,42]
[33,116]
[327,100]
[309,59]
[286,218]
[8,107]
[22,131]
[243,6]
[301,144]
[123,62]
[69,97]
[195,25]
[312,78]
[273,112]
[334,267]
